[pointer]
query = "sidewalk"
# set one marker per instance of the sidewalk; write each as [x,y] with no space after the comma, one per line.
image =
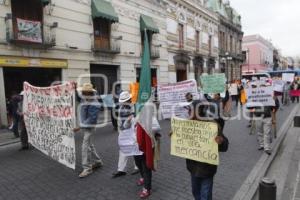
[7,137]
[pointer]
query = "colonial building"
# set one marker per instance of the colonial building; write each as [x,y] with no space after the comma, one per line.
[230,38]
[192,39]
[42,41]
[259,54]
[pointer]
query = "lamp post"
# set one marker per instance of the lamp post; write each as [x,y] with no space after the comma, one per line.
[228,58]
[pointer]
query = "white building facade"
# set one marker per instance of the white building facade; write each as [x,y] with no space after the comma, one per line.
[42,41]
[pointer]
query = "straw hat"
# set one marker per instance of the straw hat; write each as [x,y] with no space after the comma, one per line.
[124,96]
[87,87]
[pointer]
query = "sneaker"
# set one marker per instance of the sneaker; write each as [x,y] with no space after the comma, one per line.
[97,164]
[85,173]
[140,182]
[260,148]
[145,193]
[268,152]
[118,174]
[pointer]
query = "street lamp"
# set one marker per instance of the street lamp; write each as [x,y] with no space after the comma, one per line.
[228,58]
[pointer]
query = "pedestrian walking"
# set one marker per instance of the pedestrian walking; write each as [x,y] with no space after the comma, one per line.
[202,174]
[23,131]
[15,99]
[274,117]
[126,116]
[147,162]
[89,110]
[263,115]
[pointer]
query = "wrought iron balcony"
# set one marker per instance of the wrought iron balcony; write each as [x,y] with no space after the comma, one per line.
[32,34]
[111,46]
[155,53]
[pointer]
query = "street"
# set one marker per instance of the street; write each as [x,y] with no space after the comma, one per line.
[31,175]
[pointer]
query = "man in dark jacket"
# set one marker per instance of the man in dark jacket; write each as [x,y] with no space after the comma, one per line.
[89,110]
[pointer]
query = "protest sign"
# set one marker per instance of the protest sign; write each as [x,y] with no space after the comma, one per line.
[278,85]
[172,97]
[195,140]
[212,84]
[49,116]
[29,30]
[127,142]
[233,89]
[288,77]
[261,96]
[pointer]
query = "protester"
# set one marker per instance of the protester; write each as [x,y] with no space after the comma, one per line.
[294,87]
[202,174]
[263,115]
[274,117]
[89,110]
[286,93]
[125,123]
[149,145]
[15,99]
[24,136]
[114,110]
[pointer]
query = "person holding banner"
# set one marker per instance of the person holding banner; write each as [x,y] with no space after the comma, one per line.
[23,136]
[126,127]
[295,91]
[202,174]
[89,110]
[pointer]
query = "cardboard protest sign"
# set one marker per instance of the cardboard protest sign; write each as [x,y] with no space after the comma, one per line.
[49,115]
[233,89]
[172,97]
[212,84]
[278,85]
[127,142]
[261,96]
[288,77]
[195,140]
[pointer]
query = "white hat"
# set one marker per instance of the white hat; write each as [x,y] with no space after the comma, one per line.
[22,93]
[124,96]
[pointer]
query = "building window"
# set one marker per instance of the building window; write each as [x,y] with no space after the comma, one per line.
[210,44]
[231,44]
[27,20]
[197,41]
[102,28]
[181,35]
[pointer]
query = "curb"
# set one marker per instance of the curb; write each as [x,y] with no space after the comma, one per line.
[250,185]
[10,142]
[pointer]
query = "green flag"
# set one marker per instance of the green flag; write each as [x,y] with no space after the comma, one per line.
[145,76]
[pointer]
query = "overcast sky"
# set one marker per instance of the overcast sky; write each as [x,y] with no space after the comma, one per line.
[277,20]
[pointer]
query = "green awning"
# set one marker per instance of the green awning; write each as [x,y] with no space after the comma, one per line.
[45,2]
[147,23]
[104,9]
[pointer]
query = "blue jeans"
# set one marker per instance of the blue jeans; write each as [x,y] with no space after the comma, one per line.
[202,188]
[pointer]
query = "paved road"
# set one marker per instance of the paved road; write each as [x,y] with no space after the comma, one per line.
[31,175]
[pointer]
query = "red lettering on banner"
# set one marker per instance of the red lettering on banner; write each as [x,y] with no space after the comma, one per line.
[57,90]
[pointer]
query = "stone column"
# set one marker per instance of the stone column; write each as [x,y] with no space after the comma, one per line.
[3,116]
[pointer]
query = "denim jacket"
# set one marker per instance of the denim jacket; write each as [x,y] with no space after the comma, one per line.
[89,111]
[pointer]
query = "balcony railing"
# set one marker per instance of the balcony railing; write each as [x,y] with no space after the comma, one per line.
[47,33]
[113,46]
[155,53]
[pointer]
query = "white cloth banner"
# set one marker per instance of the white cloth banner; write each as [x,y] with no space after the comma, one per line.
[261,96]
[288,77]
[278,85]
[49,115]
[127,142]
[172,97]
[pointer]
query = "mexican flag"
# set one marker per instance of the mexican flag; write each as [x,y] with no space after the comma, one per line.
[145,108]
